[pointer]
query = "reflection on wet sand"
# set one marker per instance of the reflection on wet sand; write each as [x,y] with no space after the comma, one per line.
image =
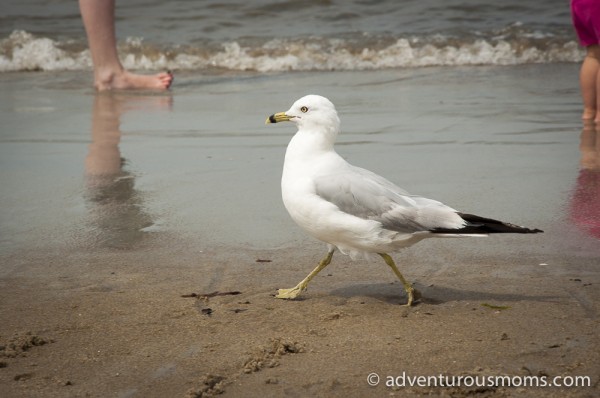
[585,200]
[116,208]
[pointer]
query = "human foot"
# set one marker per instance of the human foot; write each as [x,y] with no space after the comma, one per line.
[126,80]
[588,114]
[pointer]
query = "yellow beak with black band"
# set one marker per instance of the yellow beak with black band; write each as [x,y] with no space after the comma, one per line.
[278,117]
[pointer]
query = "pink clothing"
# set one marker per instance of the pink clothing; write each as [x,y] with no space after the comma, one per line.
[586,20]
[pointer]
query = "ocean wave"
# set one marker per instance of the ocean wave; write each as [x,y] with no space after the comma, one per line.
[23,51]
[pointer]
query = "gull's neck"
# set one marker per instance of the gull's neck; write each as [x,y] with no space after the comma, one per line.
[308,142]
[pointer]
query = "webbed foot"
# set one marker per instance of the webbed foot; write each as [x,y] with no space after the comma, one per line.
[289,294]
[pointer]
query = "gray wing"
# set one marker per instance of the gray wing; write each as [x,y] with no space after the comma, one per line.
[364,194]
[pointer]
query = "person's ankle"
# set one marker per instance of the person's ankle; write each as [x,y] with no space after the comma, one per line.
[104,79]
[589,114]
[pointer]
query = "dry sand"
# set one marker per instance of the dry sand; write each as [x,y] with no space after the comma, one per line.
[161,284]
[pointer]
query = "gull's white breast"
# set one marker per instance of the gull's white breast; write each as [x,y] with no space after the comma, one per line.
[324,220]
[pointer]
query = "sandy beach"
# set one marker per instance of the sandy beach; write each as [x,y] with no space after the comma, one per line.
[143,238]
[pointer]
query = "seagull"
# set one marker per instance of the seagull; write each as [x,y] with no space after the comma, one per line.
[354,210]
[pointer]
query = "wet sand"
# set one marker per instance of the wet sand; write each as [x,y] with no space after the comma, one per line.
[130,222]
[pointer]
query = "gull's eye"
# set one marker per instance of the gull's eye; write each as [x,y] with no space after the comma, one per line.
[304,109]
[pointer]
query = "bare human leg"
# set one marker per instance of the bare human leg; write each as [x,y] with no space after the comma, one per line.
[99,21]
[589,80]
[595,50]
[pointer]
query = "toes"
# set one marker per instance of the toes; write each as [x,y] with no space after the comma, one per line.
[167,79]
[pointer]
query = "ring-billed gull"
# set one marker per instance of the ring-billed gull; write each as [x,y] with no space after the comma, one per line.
[352,209]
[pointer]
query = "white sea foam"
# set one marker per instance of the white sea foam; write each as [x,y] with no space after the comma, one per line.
[22,51]
[401,54]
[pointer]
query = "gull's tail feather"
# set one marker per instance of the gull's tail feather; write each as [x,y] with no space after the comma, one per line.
[482,226]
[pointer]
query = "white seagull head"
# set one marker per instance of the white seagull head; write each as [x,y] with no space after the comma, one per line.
[311,113]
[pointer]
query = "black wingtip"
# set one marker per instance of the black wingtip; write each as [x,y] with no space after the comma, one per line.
[481,225]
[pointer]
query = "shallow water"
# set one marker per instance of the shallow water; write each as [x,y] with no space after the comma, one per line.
[198,165]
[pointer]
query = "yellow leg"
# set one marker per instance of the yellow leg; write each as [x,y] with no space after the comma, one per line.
[407,287]
[295,291]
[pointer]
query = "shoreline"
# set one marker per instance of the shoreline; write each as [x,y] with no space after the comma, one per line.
[105,263]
